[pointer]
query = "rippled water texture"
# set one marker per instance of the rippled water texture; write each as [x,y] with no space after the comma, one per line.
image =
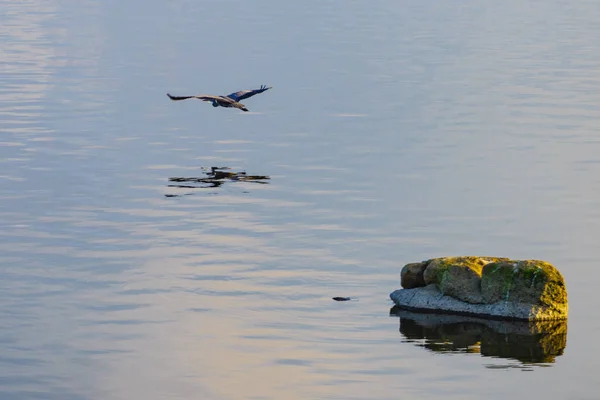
[152,249]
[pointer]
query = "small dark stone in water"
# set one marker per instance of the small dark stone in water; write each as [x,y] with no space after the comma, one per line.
[341,298]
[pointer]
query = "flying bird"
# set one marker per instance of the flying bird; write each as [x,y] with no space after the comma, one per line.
[231,100]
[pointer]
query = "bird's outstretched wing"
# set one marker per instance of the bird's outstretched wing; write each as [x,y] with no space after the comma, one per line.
[244,94]
[205,97]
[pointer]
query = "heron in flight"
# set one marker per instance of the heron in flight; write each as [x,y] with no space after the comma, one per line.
[231,100]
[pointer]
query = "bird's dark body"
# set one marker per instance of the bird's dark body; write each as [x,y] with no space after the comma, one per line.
[230,101]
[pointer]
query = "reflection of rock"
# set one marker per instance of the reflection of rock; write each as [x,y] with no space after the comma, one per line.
[484,286]
[526,341]
[215,177]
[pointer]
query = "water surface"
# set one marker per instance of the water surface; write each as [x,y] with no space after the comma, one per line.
[394,132]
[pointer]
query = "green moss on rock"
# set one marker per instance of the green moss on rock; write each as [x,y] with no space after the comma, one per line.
[531,281]
[459,277]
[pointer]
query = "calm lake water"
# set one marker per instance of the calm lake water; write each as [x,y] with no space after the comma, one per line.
[394,132]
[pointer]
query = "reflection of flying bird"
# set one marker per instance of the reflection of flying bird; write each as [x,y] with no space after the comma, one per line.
[213,179]
[231,100]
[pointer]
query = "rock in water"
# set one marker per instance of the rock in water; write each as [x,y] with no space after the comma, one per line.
[484,286]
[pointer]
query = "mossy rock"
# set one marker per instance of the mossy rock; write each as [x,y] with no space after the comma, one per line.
[531,282]
[486,286]
[459,277]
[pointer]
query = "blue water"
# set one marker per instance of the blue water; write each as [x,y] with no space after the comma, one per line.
[394,132]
